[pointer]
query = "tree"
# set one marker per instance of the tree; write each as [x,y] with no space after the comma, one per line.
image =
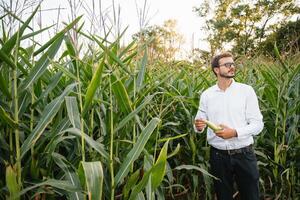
[287,38]
[163,42]
[243,24]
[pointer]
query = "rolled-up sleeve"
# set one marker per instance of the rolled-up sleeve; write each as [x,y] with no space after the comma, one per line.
[253,116]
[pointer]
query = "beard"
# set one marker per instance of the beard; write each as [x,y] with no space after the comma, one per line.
[227,75]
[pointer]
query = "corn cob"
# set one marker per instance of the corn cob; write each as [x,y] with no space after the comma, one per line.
[213,126]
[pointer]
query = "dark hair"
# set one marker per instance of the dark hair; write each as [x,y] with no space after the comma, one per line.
[215,59]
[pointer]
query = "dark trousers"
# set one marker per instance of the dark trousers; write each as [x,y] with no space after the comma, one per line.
[240,167]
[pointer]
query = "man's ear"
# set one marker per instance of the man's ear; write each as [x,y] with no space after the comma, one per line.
[216,70]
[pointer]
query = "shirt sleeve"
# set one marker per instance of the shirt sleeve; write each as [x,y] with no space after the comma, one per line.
[253,115]
[202,110]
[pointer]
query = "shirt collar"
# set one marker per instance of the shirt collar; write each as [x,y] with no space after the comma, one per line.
[217,89]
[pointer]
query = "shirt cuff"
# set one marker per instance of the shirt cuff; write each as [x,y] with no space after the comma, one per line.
[241,133]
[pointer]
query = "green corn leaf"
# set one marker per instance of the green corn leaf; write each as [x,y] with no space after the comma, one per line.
[61,185]
[9,45]
[131,115]
[153,177]
[172,138]
[130,57]
[193,167]
[22,69]
[111,54]
[127,49]
[73,112]
[277,54]
[141,74]
[92,87]
[56,135]
[159,168]
[121,94]
[25,101]
[5,58]
[70,47]
[6,119]
[58,35]
[294,74]
[35,33]
[24,58]
[11,182]
[70,175]
[71,51]
[41,65]
[64,70]
[51,85]
[90,141]
[136,150]
[147,165]
[175,151]
[271,79]
[162,77]
[4,35]
[141,185]
[46,117]
[91,174]
[132,180]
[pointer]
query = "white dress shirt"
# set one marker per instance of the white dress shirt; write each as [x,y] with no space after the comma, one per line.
[236,107]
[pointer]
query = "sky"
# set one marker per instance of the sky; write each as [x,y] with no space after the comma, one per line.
[158,11]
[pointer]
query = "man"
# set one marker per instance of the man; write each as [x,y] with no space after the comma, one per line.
[234,107]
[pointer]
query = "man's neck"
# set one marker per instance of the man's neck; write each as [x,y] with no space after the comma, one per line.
[224,83]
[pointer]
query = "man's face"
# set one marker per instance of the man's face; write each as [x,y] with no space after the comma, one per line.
[226,68]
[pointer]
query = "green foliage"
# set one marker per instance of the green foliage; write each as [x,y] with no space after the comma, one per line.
[244,24]
[287,38]
[136,150]
[91,175]
[11,182]
[107,112]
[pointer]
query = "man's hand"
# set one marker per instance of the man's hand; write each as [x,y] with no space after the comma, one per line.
[226,132]
[200,124]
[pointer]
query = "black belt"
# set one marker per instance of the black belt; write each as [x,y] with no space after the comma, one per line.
[234,151]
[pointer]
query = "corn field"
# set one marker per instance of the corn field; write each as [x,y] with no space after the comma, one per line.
[101,123]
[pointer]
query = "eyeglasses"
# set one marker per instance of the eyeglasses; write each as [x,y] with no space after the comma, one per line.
[228,65]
